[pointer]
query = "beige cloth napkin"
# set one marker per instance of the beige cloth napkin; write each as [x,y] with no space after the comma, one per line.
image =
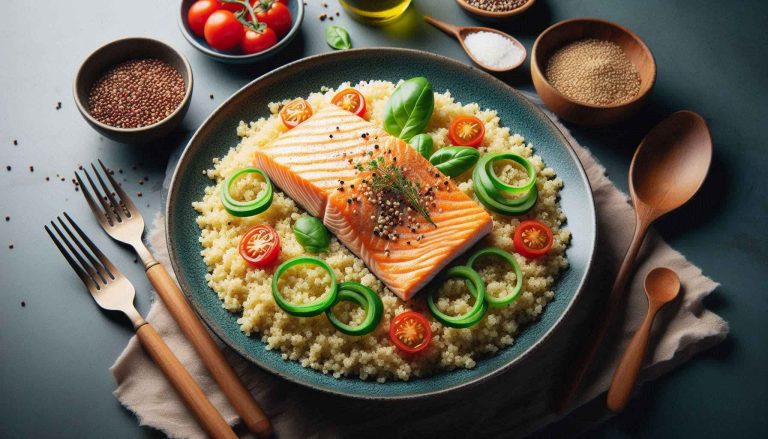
[511,405]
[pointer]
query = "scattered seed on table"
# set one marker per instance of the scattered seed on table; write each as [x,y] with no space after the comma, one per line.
[7,218]
[58,105]
[10,246]
[23,304]
[15,142]
[8,167]
[47,178]
[135,261]
[138,194]
[211,96]
[31,168]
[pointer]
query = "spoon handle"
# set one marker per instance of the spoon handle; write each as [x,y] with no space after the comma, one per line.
[450,29]
[601,326]
[629,367]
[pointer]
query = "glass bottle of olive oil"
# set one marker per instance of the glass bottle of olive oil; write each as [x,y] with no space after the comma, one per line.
[375,11]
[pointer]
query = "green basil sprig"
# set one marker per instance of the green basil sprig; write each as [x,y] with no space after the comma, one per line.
[337,37]
[423,144]
[454,160]
[409,108]
[311,234]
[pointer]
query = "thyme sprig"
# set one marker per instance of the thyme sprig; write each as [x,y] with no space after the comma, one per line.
[388,176]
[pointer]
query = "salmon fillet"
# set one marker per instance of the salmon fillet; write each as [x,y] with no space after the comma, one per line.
[323,164]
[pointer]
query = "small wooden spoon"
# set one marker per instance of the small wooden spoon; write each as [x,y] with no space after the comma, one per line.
[661,287]
[668,168]
[461,32]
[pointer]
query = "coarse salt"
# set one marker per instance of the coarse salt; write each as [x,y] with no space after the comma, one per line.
[493,50]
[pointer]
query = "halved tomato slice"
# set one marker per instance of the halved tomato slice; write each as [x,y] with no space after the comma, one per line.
[466,131]
[532,239]
[295,112]
[410,332]
[350,100]
[260,246]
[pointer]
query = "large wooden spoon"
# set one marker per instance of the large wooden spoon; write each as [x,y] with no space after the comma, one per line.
[667,169]
[661,287]
[461,33]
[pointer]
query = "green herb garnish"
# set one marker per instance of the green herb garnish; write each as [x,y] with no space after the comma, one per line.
[337,37]
[390,177]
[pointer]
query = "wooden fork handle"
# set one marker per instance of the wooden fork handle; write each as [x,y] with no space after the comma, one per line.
[240,398]
[191,393]
[629,367]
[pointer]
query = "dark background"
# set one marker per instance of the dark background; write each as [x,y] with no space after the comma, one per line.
[56,350]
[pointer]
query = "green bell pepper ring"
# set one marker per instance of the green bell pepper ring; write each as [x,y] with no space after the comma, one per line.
[499,302]
[366,298]
[476,288]
[307,309]
[246,208]
[496,181]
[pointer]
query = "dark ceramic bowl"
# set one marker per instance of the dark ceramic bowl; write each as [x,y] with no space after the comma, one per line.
[467,84]
[114,53]
[234,56]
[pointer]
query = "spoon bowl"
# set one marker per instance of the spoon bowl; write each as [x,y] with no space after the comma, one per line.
[670,164]
[661,285]
[461,33]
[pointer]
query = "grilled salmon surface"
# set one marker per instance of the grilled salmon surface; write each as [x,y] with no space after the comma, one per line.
[333,164]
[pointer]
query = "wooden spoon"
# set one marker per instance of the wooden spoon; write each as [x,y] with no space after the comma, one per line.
[667,169]
[461,33]
[661,287]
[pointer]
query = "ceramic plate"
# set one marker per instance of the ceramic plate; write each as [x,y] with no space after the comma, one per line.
[467,84]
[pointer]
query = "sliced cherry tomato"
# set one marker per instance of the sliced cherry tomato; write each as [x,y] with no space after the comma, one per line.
[254,42]
[466,131]
[276,15]
[532,239]
[410,332]
[350,100]
[295,112]
[223,31]
[198,14]
[260,246]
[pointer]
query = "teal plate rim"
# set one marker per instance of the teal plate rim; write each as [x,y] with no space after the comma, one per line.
[467,84]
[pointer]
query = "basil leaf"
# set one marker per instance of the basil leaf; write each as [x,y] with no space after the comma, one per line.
[311,234]
[423,144]
[409,108]
[337,37]
[454,160]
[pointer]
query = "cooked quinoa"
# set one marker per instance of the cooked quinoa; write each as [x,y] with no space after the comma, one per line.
[312,341]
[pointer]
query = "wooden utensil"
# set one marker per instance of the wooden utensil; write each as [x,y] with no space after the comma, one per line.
[661,287]
[668,168]
[112,291]
[461,32]
[125,224]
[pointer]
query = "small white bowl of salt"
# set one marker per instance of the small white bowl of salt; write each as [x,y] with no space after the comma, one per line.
[491,49]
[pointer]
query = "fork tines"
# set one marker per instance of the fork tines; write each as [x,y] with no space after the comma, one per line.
[115,204]
[93,268]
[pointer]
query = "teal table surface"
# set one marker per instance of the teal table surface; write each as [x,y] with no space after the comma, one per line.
[56,347]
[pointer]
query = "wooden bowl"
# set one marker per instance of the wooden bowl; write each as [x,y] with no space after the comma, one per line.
[114,53]
[565,32]
[494,16]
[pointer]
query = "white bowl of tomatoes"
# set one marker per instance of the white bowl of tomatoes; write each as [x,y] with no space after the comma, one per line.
[240,31]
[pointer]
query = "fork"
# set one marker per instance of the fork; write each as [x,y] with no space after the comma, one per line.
[120,218]
[113,291]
